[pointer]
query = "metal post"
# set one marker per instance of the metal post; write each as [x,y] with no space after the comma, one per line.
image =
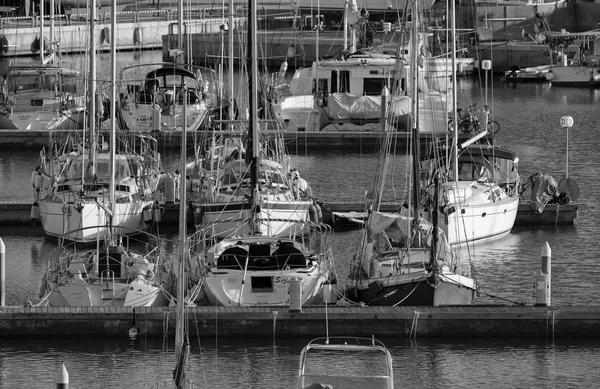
[543,280]
[2,274]
[62,378]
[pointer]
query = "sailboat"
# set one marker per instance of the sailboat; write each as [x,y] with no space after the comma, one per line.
[240,155]
[42,97]
[116,272]
[404,259]
[77,174]
[155,103]
[257,262]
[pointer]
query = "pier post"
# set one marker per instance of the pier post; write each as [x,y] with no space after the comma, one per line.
[295,291]
[542,280]
[62,378]
[2,274]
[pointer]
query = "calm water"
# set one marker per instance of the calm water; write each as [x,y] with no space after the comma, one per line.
[529,117]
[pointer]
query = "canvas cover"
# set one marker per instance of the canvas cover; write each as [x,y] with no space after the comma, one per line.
[344,106]
[544,190]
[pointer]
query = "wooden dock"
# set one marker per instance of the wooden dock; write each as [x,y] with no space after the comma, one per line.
[336,141]
[280,322]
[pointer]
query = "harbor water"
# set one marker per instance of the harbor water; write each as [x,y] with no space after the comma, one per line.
[529,116]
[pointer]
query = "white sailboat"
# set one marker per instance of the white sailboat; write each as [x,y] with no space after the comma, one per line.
[256,263]
[42,97]
[114,273]
[75,191]
[403,259]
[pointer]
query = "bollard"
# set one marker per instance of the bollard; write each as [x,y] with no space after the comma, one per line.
[62,378]
[295,291]
[542,281]
[2,274]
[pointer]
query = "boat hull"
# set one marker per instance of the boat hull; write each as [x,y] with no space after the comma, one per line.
[276,218]
[577,76]
[483,222]
[233,288]
[79,293]
[415,290]
[90,222]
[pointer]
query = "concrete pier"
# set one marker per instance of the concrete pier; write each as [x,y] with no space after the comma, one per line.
[274,322]
[347,141]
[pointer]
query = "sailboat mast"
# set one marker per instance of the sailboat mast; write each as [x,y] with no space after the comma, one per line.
[252,103]
[454,90]
[415,109]
[113,99]
[181,276]
[92,92]
[41,31]
[231,64]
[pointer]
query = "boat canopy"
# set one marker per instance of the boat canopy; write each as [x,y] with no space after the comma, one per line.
[170,71]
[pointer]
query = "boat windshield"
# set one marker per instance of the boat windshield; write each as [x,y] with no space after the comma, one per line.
[24,81]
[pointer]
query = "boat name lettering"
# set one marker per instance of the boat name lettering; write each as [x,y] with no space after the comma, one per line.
[281,280]
[232,280]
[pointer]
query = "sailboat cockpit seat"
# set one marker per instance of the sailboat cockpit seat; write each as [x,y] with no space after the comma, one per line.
[261,258]
[289,256]
[145,98]
[131,89]
[233,258]
[192,98]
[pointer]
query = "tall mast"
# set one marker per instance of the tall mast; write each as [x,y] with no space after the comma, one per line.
[113,99]
[252,103]
[41,31]
[181,276]
[92,91]
[454,90]
[414,110]
[231,64]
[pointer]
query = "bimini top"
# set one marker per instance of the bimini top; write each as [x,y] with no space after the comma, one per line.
[488,152]
[474,150]
[170,71]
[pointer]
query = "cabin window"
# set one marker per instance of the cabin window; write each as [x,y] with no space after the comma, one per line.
[373,86]
[37,102]
[344,79]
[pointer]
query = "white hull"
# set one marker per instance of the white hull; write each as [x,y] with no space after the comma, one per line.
[232,288]
[79,293]
[91,223]
[474,222]
[256,270]
[278,218]
[572,75]
[145,117]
